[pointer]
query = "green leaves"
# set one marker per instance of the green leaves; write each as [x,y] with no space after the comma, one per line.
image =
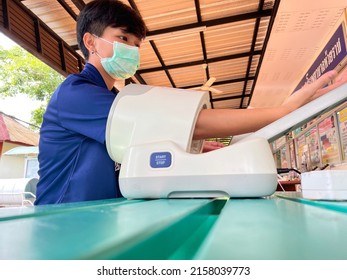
[23,73]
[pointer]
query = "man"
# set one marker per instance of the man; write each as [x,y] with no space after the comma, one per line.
[74,163]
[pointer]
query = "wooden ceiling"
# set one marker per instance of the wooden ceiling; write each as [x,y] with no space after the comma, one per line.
[187,41]
[256,49]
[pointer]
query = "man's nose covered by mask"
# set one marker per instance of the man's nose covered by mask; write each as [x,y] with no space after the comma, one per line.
[124,62]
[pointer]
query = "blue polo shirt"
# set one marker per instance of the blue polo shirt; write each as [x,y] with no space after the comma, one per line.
[74,163]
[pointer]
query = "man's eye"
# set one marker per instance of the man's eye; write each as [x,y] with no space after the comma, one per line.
[124,38]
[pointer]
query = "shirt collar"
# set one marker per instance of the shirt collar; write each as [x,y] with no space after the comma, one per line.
[93,74]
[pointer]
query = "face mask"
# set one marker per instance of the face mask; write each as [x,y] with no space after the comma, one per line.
[124,62]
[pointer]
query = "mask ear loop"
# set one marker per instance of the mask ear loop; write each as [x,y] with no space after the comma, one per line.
[96,52]
[102,39]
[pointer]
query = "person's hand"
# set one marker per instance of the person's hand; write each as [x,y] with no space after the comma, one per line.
[341,79]
[211,146]
[314,90]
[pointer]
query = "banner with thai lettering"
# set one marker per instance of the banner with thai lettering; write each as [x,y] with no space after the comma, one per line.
[331,56]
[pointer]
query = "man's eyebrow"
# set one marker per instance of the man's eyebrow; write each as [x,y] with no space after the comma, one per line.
[124,29]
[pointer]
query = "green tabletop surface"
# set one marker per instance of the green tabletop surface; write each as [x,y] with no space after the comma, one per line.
[284,227]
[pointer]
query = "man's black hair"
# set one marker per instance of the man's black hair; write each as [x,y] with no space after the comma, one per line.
[99,14]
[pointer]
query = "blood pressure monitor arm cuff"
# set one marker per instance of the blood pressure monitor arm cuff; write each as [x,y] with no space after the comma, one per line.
[144,114]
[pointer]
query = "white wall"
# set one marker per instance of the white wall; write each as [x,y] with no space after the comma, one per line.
[11,166]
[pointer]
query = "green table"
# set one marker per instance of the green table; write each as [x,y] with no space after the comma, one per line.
[283,227]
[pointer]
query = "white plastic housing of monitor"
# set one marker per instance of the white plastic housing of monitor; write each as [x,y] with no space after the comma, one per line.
[150,130]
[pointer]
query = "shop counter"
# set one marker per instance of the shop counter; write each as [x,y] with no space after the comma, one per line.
[291,186]
[284,226]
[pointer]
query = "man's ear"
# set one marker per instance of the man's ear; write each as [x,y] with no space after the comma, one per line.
[89,42]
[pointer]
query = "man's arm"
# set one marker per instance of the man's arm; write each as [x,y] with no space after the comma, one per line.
[227,122]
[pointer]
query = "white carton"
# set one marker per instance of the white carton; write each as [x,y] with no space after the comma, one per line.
[324,184]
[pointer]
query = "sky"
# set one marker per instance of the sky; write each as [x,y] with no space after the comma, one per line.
[19,106]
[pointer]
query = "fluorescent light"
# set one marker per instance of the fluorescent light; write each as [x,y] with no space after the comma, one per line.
[175,34]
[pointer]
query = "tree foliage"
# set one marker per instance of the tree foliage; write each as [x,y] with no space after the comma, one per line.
[23,73]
